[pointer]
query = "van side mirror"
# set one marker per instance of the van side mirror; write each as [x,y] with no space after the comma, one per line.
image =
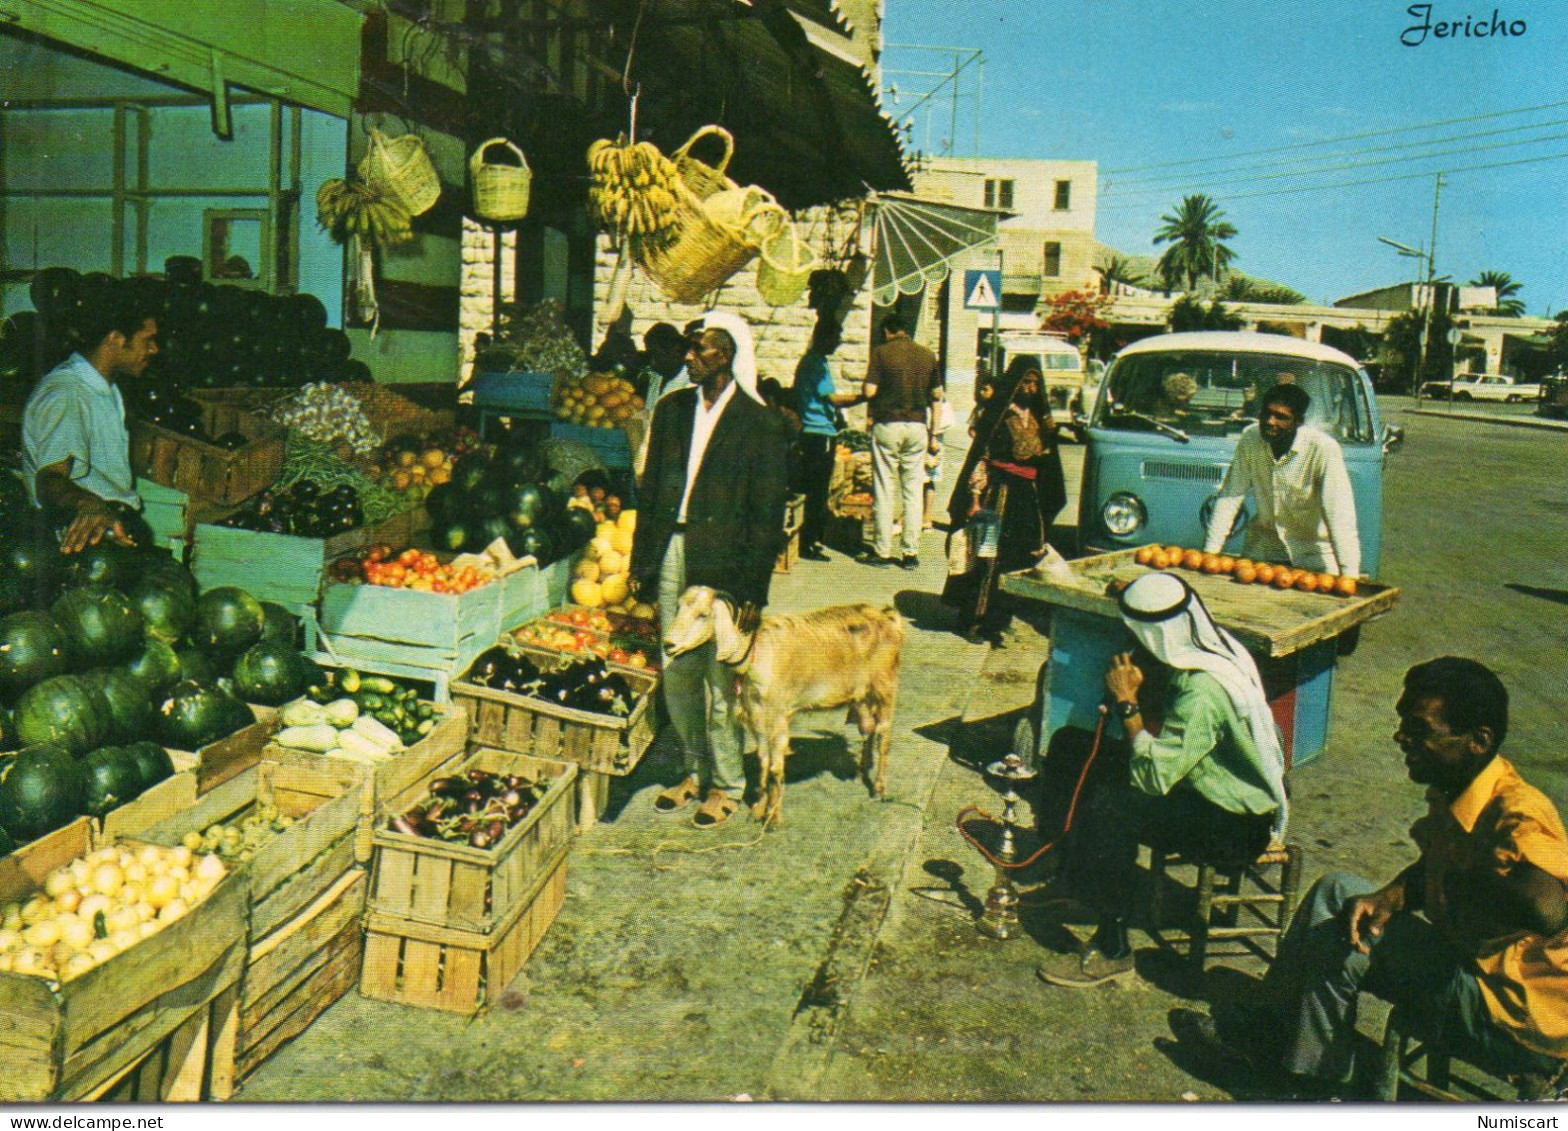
[1393,436]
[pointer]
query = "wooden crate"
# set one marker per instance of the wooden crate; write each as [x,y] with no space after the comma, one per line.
[78,1039]
[206,471]
[396,415]
[379,785]
[219,761]
[189,1065]
[371,624]
[789,556]
[285,568]
[167,512]
[291,868]
[601,743]
[611,445]
[458,971]
[794,513]
[295,973]
[416,880]
[170,797]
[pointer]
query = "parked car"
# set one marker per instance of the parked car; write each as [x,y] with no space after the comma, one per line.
[1152,474]
[1482,387]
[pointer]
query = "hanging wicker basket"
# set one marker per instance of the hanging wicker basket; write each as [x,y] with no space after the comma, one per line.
[500,191]
[787,264]
[705,180]
[705,250]
[400,169]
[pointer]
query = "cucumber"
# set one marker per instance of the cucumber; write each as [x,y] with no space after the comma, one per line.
[348,681]
[425,726]
[370,701]
[379,683]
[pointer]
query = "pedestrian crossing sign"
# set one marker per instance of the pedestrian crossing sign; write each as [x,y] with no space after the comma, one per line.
[982,290]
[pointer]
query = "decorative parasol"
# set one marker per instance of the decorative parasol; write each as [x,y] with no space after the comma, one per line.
[915,241]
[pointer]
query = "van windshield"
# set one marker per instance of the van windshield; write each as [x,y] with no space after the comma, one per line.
[1215,393]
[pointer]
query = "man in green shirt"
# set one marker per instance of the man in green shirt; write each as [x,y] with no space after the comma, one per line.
[1210,784]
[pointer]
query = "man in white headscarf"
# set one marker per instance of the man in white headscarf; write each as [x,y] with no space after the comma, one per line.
[711,513]
[1211,785]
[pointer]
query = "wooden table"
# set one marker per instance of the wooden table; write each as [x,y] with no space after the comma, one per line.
[1292,636]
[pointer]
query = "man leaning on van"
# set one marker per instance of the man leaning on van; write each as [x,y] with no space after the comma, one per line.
[1306,512]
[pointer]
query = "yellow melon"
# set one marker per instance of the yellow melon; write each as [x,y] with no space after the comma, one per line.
[605,529]
[614,589]
[601,546]
[587,570]
[627,520]
[587,593]
[622,540]
[611,563]
[643,611]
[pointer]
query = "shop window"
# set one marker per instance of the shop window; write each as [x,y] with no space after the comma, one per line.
[998,193]
[1064,196]
[234,246]
[1051,268]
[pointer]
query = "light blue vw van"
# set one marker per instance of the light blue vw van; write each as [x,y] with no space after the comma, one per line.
[1153,467]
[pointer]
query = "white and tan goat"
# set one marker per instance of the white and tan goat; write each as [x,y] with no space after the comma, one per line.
[843,655]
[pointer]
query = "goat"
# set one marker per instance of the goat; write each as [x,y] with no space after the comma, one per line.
[833,657]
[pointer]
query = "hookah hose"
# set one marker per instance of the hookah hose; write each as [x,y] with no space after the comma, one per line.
[1072,808]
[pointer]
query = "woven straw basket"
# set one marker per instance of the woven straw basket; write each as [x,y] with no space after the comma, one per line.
[399,168]
[705,251]
[787,264]
[500,191]
[705,180]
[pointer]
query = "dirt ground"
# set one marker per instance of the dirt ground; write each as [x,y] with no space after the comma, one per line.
[835,958]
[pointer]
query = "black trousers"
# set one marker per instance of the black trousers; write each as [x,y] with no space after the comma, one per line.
[816,469]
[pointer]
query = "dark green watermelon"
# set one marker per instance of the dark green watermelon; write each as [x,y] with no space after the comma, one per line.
[113,778]
[153,763]
[13,594]
[228,620]
[535,542]
[8,739]
[444,503]
[491,528]
[33,563]
[281,625]
[196,664]
[156,664]
[166,604]
[130,703]
[193,715]
[107,563]
[33,647]
[452,536]
[102,624]
[162,568]
[7,845]
[66,711]
[581,523]
[272,672]
[41,789]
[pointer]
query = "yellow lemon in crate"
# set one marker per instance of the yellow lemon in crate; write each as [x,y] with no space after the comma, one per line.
[587,593]
[611,563]
[614,589]
[587,570]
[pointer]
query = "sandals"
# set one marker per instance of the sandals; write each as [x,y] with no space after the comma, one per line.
[718,808]
[677,796]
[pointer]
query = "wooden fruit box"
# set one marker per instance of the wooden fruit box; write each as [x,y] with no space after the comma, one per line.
[605,642]
[396,415]
[602,744]
[293,867]
[167,511]
[76,1040]
[434,631]
[295,973]
[414,963]
[170,797]
[219,761]
[419,881]
[377,786]
[206,471]
[611,445]
[285,568]
[193,1063]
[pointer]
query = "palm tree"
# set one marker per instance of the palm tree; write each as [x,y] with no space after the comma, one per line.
[1239,288]
[1507,305]
[1197,232]
[1118,270]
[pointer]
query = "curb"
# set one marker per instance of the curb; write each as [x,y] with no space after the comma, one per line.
[1540,425]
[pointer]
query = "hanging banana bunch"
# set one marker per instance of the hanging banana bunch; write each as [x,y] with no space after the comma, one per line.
[633,194]
[352,209]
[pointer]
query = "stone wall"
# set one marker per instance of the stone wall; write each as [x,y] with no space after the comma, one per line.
[782,333]
[477,309]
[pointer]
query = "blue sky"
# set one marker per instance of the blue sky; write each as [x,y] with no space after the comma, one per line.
[1134,83]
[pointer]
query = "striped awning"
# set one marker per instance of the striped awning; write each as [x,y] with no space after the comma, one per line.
[915,242]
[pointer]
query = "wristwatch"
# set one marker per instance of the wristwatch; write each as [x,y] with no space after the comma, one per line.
[1126,710]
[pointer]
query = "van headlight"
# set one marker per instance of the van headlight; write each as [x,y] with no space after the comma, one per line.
[1123,514]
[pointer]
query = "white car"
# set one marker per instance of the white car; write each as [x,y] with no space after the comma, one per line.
[1483,387]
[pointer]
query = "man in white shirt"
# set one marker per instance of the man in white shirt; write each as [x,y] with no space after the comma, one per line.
[1306,512]
[711,513]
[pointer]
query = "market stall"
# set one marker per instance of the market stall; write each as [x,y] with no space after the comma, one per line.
[1291,632]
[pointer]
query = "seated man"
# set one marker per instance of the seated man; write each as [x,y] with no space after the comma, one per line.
[1210,786]
[1471,939]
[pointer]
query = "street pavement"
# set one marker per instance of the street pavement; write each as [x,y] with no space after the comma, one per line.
[835,958]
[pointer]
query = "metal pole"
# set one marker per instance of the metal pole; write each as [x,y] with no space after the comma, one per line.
[996,320]
[979,94]
[952,129]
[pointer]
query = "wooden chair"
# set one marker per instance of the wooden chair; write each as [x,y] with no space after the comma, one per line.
[1245,904]
[1427,1067]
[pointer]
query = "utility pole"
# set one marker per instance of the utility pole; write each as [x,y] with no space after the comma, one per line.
[1431,288]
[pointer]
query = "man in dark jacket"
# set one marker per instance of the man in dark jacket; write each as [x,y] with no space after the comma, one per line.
[712,513]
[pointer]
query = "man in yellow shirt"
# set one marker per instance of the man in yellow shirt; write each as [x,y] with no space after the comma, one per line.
[1485,963]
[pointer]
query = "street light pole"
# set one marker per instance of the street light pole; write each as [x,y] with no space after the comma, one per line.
[1426,320]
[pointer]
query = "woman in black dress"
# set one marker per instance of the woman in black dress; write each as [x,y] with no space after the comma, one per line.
[1014,470]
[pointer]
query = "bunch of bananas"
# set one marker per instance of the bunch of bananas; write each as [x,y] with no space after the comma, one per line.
[633,190]
[352,208]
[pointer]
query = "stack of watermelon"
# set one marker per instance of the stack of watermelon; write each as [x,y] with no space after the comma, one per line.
[109,656]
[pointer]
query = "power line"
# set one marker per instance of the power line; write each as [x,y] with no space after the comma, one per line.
[1338,140]
[1179,179]
[1146,193]
[1129,204]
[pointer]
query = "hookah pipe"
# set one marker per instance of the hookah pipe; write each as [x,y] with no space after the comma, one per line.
[1072,809]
